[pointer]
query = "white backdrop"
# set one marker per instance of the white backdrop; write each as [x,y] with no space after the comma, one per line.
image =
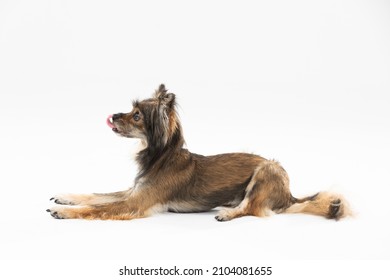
[304,82]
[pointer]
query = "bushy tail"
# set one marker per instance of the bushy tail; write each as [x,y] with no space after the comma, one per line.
[326,204]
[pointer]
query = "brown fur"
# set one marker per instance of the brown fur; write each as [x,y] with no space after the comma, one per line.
[170,178]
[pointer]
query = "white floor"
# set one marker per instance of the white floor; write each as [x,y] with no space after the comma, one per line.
[41,158]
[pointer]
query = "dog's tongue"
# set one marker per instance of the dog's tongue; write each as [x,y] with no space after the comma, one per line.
[108,121]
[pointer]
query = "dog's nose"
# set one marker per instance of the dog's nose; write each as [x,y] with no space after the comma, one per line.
[117,116]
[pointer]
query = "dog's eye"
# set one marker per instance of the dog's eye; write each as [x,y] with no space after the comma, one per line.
[136,117]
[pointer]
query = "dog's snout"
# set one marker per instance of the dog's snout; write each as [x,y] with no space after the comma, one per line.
[117,116]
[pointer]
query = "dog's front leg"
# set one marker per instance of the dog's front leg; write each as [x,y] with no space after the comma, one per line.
[123,210]
[91,199]
[111,211]
[137,205]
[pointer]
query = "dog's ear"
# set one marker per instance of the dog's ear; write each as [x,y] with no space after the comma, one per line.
[168,100]
[161,90]
[164,97]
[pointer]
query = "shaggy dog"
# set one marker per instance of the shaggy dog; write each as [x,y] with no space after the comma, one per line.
[171,178]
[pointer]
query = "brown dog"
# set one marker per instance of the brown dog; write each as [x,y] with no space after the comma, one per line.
[170,178]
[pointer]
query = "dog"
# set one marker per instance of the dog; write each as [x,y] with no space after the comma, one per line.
[170,178]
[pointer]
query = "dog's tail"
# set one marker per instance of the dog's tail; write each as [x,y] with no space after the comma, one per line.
[326,204]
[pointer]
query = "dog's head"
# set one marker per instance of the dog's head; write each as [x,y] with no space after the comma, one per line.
[152,120]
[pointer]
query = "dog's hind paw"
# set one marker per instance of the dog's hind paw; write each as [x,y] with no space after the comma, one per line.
[224,215]
[221,218]
[335,209]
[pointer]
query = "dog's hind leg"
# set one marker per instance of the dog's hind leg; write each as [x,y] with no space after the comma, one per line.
[90,199]
[267,190]
[326,204]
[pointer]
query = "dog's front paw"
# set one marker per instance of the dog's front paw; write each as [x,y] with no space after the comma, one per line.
[57,212]
[63,199]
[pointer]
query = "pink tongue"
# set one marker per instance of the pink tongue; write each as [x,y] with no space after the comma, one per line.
[108,121]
